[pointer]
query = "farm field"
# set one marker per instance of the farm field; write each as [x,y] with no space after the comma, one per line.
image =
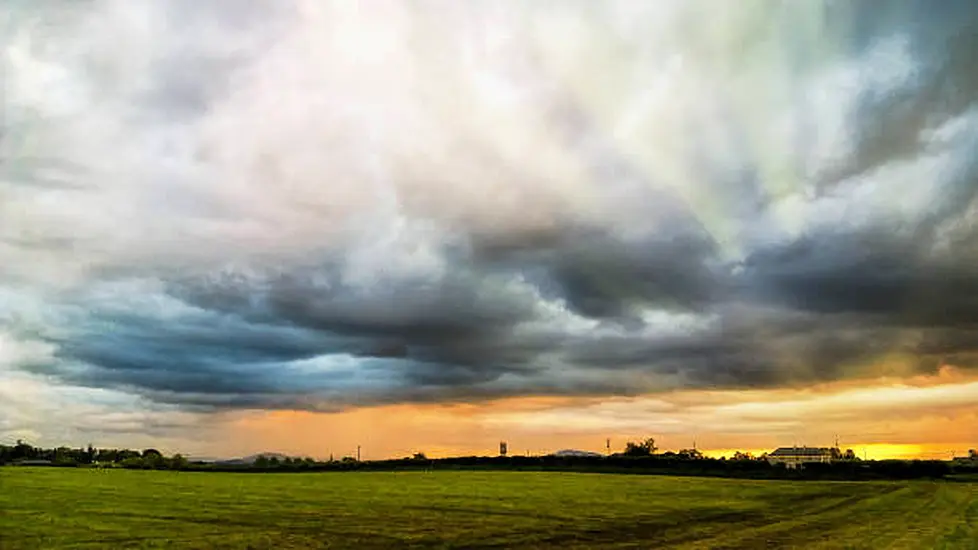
[85,508]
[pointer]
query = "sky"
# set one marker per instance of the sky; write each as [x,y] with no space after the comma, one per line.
[302,226]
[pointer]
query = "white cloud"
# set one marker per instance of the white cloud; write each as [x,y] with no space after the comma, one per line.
[328,122]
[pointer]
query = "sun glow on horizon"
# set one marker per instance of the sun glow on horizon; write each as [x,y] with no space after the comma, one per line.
[936,419]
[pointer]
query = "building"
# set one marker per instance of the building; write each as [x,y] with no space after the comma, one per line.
[793,457]
[577,453]
[972,458]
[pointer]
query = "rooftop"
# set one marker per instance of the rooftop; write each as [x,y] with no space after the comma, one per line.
[801,451]
[575,452]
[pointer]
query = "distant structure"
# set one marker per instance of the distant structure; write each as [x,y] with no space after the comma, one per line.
[502,448]
[971,458]
[575,452]
[793,457]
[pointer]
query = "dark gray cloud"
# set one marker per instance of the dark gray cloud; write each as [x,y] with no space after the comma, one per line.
[812,310]
[256,221]
[898,279]
[603,275]
[892,122]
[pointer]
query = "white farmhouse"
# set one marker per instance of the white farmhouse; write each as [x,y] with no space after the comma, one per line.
[793,457]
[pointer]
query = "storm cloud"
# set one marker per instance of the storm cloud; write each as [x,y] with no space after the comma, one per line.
[302,205]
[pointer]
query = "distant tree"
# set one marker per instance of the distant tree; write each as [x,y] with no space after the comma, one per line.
[178,462]
[63,455]
[273,461]
[261,462]
[419,456]
[124,454]
[849,455]
[973,454]
[742,456]
[641,448]
[133,462]
[153,458]
[23,451]
[690,454]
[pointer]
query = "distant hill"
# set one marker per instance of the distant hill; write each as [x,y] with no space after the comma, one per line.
[248,460]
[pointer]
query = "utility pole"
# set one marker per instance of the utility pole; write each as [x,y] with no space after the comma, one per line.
[358,453]
[607,444]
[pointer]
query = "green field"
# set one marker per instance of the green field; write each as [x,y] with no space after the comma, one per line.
[85,508]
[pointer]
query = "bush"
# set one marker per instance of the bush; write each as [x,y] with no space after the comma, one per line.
[134,462]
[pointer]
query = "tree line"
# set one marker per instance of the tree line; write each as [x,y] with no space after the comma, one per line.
[24,453]
[639,457]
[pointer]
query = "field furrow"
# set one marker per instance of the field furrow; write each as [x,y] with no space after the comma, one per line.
[80,508]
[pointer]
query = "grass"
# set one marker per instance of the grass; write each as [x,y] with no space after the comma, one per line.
[84,508]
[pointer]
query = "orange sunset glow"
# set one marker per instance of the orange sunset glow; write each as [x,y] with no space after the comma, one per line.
[933,417]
